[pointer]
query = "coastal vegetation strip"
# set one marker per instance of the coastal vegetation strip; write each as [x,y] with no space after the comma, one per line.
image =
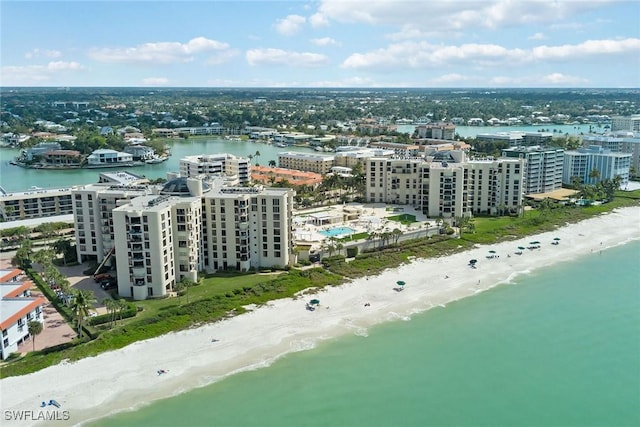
[223,295]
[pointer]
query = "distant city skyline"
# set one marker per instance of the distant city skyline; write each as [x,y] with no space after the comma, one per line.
[325,43]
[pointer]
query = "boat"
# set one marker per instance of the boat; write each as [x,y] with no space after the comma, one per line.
[154,160]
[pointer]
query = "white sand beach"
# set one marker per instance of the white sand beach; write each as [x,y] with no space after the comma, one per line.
[128,378]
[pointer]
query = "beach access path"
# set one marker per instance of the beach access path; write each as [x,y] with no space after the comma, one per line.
[95,387]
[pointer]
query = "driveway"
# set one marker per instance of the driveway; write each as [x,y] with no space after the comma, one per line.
[56,330]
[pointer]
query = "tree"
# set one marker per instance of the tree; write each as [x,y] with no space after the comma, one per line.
[111,307]
[64,247]
[35,328]
[44,257]
[272,163]
[184,285]
[48,231]
[594,175]
[23,255]
[83,301]
[396,233]
[120,307]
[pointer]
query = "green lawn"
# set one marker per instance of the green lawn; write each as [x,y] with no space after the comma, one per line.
[404,219]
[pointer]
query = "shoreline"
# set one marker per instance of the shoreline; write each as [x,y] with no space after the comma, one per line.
[96,387]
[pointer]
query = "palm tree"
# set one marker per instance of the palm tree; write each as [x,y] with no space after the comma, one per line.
[426,226]
[120,305]
[594,174]
[35,328]
[185,284]
[396,233]
[272,163]
[83,301]
[111,307]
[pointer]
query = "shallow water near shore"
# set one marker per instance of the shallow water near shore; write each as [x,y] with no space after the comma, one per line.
[556,347]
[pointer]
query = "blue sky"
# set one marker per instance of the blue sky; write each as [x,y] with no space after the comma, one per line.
[326,43]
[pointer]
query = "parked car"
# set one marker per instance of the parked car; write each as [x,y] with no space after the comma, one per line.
[99,277]
[109,283]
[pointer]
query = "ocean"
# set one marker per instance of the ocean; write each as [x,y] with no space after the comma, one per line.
[556,347]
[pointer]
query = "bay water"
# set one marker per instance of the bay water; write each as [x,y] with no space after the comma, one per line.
[559,346]
[15,178]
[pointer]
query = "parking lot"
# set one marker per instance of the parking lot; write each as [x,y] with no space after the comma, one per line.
[56,330]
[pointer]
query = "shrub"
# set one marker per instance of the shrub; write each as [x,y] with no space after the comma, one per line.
[352,252]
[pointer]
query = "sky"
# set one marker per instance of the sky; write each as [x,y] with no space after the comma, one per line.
[324,43]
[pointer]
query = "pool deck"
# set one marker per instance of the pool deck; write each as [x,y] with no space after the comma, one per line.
[364,218]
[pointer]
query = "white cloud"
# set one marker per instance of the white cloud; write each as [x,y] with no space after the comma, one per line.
[36,74]
[450,78]
[553,79]
[43,53]
[283,57]
[158,53]
[589,48]
[318,20]
[450,14]
[155,81]
[425,55]
[290,25]
[325,41]
[563,79]
[222,57]
[347,82]
[537,36]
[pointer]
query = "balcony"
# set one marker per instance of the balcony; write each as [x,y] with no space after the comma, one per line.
[138,272]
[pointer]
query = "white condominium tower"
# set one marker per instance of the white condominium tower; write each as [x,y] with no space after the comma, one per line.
[191,225]
[446,184]
[217,165]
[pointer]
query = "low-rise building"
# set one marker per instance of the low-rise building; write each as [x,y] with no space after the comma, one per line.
[309,162]
[268,175]
[17,309]
[35,203]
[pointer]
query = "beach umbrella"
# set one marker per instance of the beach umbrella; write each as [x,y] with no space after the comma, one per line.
[400,283]
[492,252]
[521,248]
[473,261]
[556,238]
[314,302]
[535,242]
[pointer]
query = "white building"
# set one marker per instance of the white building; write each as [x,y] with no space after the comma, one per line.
[105,157]
[161,235]
[446,184]
[93,206]
[619,142]
[308,162]
[17,309]
[543,168]
[626,123]
[582,162]
[35,203]
[217,165]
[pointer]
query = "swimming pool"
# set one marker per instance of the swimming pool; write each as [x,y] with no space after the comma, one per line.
[337,231]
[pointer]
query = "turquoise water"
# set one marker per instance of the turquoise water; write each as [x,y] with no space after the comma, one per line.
[472,131]
[559,347]
[337,231]
[15,178]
